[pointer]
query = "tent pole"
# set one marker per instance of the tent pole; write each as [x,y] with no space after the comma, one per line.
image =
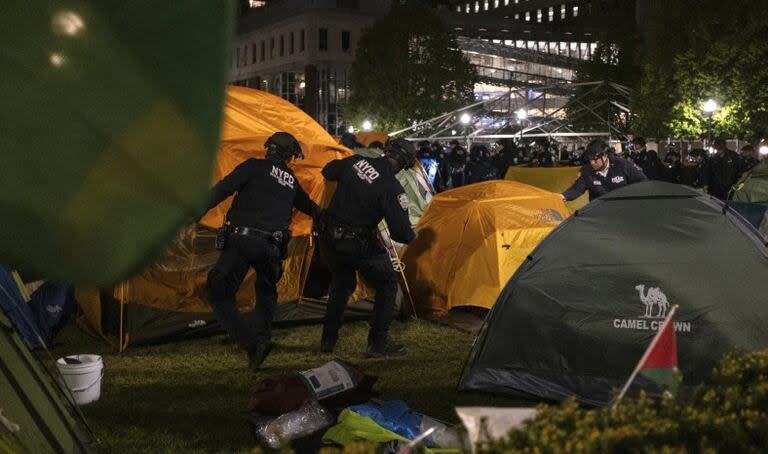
[399,267]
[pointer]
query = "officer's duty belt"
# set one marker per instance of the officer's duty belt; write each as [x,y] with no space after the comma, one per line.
[250,231]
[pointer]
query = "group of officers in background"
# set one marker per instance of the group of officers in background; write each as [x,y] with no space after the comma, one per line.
[453,165]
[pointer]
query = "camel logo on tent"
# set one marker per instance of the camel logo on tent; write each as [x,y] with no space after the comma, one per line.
[655,301]
[197,324]
[655,305]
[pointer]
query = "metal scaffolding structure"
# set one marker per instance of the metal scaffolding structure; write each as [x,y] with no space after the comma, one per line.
[528,55]
[574,112]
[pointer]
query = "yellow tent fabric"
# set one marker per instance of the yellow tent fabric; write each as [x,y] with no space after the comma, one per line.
[177,281]
[472,239]
[250,117]
[366,138]
[555,179]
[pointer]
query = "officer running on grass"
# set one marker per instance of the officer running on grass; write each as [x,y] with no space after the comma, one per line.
[258,235]
[367,192]
[602,172]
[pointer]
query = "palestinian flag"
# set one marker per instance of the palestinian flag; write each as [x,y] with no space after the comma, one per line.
[660,361]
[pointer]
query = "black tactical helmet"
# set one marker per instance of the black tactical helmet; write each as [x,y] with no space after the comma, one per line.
[284,146]
[402,150]
[596,149]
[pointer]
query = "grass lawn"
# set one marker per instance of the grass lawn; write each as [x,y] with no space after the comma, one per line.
[191,397]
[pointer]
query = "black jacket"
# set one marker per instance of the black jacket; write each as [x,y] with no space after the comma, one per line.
[368,192]
[620,173]
[267,191]
[720,172]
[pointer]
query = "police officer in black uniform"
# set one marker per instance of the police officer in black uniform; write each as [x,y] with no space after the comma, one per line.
[367,192]
[721,170]
[256,235]
[602,173]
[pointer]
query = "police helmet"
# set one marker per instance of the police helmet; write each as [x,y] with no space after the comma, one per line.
[284,146]
[401,150]
[596,149]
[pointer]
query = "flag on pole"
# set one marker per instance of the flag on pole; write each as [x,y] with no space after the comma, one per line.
[659,362]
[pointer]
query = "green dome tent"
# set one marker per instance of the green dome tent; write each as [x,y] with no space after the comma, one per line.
[577,316]
[753,185]
[34,416]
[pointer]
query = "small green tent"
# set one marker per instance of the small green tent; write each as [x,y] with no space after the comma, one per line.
[576,317]
[753,185]
[34,417]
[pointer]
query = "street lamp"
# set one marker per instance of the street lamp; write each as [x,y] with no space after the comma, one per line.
[367,125]
[351,129]
[709,107]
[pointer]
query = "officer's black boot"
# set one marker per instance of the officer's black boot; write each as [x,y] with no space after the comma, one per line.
[258,354]
[380,346]
[328,341]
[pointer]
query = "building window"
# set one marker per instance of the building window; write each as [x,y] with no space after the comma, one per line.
[290,43]
[262,50]
[282,45]
[551,14]
[468,9]
[345,40]
[527,16]
[271,48]
[495,3]
[538,15]
[485,5]
[477,7]
[458,8]
[253,53]
[562,11]
[301,41]
[576,11]
[322,39]
[517,16]
[237,57]
[506,2]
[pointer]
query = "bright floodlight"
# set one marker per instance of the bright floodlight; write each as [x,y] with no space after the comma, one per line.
[351,129]
[710,106]
[522,114]
[367,125]
[465,118]
[764,150]
[302,84]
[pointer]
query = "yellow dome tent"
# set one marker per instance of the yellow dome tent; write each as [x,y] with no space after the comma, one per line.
[472,239]
[168,300]
[555,179]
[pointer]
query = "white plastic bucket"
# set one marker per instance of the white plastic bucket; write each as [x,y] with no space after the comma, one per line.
[84,379]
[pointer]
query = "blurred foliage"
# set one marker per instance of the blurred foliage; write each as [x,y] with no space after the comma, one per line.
[728,414]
